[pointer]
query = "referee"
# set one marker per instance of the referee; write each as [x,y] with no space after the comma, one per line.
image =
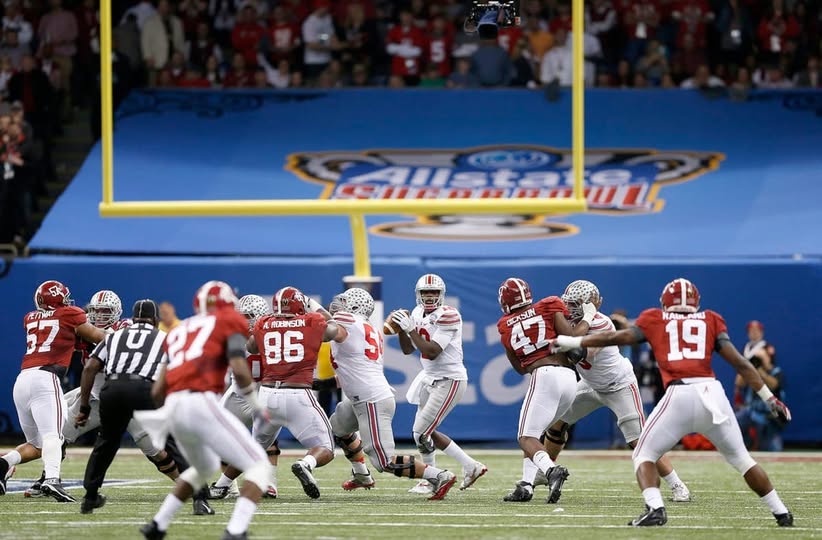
[131,358]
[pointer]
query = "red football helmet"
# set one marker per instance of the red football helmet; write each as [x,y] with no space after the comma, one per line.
[514,293]
[213,295]
[51,295]
[288,302]
[680,296]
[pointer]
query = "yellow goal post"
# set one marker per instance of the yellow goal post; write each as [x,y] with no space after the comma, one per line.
[355,209]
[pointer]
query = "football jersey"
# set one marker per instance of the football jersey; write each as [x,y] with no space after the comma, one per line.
[196,348]
[527,332]
[444,326]
[358,361]
[289,346]
[682,342]
[50,336]
[605,369]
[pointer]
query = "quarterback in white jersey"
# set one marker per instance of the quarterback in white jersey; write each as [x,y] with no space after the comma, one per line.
[362,420]
[606,380]
[435,330]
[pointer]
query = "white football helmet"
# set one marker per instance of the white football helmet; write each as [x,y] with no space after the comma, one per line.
[359,301]
[104,309]
[338,303]
[427,284]
[252,307]
[580,292]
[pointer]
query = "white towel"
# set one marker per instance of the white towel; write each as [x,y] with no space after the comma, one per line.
[708,395]
[414,389]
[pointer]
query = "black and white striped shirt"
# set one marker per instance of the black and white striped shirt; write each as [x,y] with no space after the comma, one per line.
[135,350]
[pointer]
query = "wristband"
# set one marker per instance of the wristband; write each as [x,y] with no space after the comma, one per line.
[765,392]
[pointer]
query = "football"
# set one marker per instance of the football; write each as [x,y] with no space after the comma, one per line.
[389,327]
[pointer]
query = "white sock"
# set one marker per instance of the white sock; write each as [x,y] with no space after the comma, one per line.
[430,473]
[529,471]
[274,475]
[653,497]
[774,503]
[310,460]
[13,458]
[359,467]
[430,459]
[224,481]
[459,454]
[672,479]
[241,517]
[543,461]
[52,455]
[166,512]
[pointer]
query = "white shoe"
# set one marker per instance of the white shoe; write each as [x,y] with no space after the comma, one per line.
[680,493]
[469,476]
[233,490]
[423,488]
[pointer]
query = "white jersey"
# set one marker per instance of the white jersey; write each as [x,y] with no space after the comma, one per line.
[605,369]
[444,326]
[358,361]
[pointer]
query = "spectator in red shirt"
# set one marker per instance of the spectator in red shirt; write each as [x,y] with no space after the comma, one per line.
[641,21]
[562,19]
[283,36]
[775,29]
[440,46]
[405,43]
[239,76]
[693,17]
[508,37]
[246,35]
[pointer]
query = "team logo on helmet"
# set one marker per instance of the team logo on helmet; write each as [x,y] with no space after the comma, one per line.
[616,182]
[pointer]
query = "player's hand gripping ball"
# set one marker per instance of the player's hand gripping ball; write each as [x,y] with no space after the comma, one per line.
[389,327]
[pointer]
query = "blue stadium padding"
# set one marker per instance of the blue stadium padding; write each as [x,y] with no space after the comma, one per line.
[762,200]
[782,294]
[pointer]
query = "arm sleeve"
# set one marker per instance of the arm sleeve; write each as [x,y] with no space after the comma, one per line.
[235,345]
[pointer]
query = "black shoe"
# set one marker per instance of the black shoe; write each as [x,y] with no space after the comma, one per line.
[521,493]
[88,505]
[784,520]
[228,536]
[201,508]
[303,474]
[651,518]
[556,478]
[54,488]
[36,489]
[152,532]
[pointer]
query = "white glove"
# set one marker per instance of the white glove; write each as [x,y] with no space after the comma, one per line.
[312,306]
[565,343]
[403,320]
[589,311]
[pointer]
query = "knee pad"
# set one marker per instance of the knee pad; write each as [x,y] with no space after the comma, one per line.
[425,444]
[164,465]
[402,463]
[345,440]
[350,444]
[259,474]
[556,436]
[192,477]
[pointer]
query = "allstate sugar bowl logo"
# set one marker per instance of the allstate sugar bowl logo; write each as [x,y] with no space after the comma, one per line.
[616,182]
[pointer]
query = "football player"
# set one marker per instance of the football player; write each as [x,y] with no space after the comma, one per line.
[51,330]
[252,307]
[606,380]
[683,339]
[288,341]
[368,405]
[435,330]
[525,331]
[200,351]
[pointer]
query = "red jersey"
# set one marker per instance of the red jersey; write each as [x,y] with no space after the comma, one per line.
[528,331]
[411,36]
[196,350]
[507,38]
[284,36]
[682,342]
[245,38]
[50,336]
[289,346]
[439,54]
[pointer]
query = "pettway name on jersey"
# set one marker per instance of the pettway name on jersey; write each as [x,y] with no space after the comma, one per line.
[617,182]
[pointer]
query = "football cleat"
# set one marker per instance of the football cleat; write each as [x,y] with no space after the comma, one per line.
[9,473]
[36,489]
[423,487]
[54,489]
[521,493]
[88,505]
[271,492]
[651,518]
[784,520]
[218,492]
[540,479]
[469,476]
[303,474]
[357,481]
[200,507]
[441,485]
[151,531]
[680,493]
[556,478]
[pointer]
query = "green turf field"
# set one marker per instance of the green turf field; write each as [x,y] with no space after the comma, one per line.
[598,499]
